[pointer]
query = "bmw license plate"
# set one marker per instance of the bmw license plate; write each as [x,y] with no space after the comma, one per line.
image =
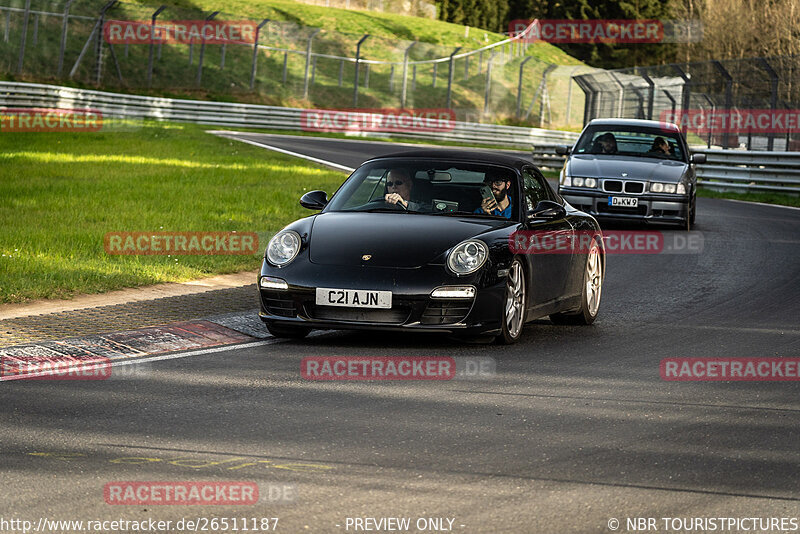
[354,298]
[623,202]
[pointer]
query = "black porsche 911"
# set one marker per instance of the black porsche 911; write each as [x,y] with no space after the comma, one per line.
[423,241]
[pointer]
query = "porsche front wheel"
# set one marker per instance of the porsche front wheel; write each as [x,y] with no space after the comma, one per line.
[514,304]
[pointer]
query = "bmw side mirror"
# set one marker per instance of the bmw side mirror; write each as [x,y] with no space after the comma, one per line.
[314,200]
[563,150]
[697,158]
[548,210]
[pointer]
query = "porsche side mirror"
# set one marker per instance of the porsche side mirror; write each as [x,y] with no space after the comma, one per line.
[563,150]
[314,200]
[548,210]
[697,158]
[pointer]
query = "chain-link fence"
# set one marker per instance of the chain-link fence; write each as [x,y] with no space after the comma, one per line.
[750,103]
[283,63]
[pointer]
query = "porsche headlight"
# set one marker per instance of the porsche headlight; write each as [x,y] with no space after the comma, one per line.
[283,248]
[467,257]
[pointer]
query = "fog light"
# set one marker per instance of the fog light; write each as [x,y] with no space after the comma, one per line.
[453,292]
[270,282]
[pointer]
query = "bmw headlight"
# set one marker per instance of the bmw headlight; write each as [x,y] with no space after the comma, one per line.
[467,257]
[590,182]
[283,248]
[577,182]
[681,189]
[656,187]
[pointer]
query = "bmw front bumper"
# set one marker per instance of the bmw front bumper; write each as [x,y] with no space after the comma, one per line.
[655,208]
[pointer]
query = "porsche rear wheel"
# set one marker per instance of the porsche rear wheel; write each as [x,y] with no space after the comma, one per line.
[287,331]
[590,294]
[514,304]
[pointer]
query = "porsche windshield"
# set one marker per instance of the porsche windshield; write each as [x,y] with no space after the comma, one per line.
[432,187]
[619,140]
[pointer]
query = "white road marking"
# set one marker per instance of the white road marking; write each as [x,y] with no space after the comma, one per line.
[761,204]
[282,151]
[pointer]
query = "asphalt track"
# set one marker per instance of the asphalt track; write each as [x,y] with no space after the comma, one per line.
[576,428]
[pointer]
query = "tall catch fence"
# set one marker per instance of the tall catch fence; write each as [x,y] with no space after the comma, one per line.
[283,63]
[746,103]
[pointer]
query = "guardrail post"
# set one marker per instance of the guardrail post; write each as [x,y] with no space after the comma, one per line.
[203,49]
[255,54]
[773,97]
[405,74]
[450,76]
[519,85]
[98,66]
[24,36]
[488,83]
[358,63]
[153,18]
[64,24]
[308,62]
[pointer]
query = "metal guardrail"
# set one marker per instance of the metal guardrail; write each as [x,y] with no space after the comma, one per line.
[30,95]
[723,170]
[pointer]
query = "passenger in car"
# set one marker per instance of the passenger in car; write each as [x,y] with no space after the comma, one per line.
[605,144]
[502,202]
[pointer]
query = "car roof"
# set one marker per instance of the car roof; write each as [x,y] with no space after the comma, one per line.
[462,156]
[634,122]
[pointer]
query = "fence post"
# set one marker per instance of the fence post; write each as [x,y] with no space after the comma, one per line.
[450,76]
[35,29]
[686,94]
[488,83]
[366,75]
[63,47]
[255,54]
[285,65]
[203,49]
[651,93]
[466,68]
[435,68]
[341,71]
[391,80]
[98,69]
[519,85]
[153,18]
[308,62]
[24,36]
[7,26]
[728,97]
[569,94]
[773,97]
[358,60]
[405,74]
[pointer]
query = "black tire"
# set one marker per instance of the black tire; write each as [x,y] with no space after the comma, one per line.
[287,331]
[586,314]
[693,210]
[514,303]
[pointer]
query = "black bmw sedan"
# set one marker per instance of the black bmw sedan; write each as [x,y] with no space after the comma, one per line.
[436,241]
[630,169]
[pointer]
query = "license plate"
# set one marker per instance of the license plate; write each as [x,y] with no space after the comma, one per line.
[623,202]
[354,298]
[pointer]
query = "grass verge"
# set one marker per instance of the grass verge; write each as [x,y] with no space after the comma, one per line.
[63,192]
[765,197]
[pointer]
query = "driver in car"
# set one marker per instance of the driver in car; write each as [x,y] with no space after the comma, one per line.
[501,203]
[399,187]
[605,144]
